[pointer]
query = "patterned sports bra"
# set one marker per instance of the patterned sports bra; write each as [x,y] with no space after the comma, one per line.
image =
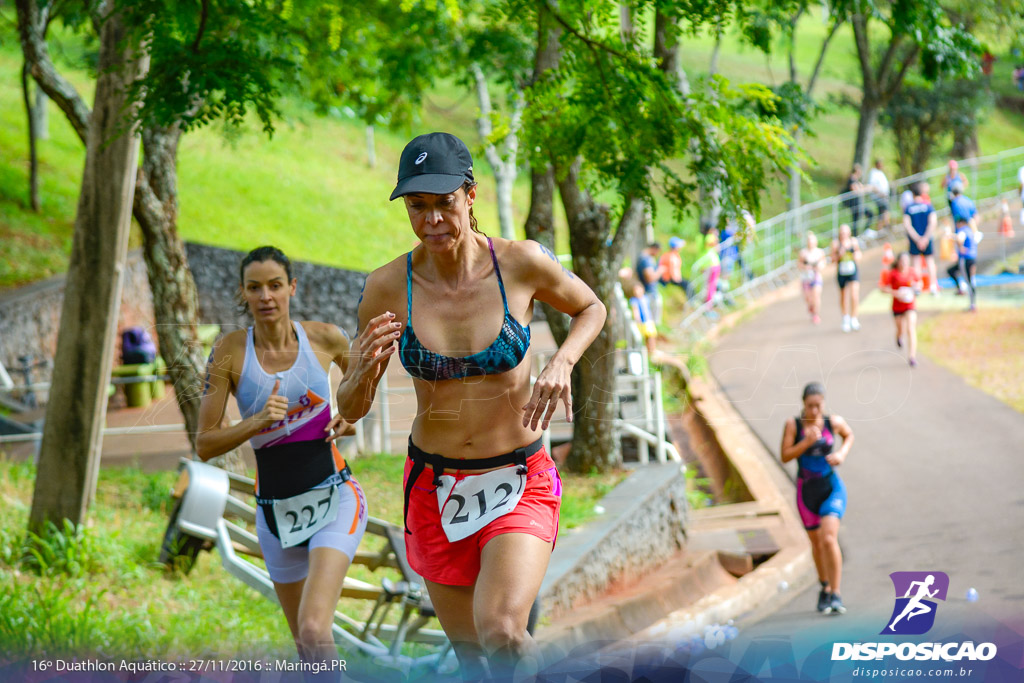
[504,353]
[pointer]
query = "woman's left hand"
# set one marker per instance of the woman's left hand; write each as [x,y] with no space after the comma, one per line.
[836,458]
[553,384]
[338,428]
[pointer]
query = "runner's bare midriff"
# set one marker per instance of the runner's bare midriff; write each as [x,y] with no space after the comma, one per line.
[475,417]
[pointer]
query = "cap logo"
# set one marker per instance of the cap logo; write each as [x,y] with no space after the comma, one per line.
[421,158]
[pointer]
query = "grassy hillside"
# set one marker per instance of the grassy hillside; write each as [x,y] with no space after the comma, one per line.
[310,191]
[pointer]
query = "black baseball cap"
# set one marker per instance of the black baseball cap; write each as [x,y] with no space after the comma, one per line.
[435,163]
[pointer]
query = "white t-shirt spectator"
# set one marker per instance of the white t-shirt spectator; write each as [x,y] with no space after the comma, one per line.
[1020,177]
[877,179]
[906,199]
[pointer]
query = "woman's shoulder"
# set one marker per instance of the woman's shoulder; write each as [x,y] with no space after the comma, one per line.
[390,276]
[522,256]
[323,334]
[232,340]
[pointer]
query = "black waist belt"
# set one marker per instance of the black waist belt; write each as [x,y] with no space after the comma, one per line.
[291,468]
[439,463]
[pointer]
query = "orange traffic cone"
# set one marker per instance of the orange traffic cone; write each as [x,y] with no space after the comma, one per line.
[1006,227]
[887,255]
[926,281]
[887,259]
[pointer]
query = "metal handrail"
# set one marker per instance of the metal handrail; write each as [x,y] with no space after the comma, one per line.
[770,254]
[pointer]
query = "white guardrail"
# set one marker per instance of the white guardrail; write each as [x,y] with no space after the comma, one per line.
[770,255]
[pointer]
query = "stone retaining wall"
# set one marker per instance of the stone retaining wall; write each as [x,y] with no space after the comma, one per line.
[642,527]
[30,315]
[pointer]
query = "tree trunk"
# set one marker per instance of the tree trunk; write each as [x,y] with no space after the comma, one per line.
[72,438]
[595,441]
[33,135]
[540,226]
[175,301]
[869,109]
[42,115]
[540,223]
[504,169]
[666,50]
[965,140]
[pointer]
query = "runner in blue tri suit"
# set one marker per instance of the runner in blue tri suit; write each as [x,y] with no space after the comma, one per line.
[810,438]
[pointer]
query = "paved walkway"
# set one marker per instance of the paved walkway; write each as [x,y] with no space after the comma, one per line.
[935,475]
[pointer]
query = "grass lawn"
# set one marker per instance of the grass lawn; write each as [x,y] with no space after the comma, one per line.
[105,593]
[309,189]
[986,348]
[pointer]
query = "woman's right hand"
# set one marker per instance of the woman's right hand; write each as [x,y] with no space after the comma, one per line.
[374,345]
[275,409]
[812,434]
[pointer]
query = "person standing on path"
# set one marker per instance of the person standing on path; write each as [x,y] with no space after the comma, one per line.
[670,266]
[954,178]
[846,255]
[855,201]
[650,274]
[1020,188]
[880,190]
[903,285]
[811,262]
[920,223]
[964,270]
[820,493]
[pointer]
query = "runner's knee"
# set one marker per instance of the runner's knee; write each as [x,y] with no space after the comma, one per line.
[504,634]
[314,631]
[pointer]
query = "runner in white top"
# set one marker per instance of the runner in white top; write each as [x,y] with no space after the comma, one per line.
[812,260]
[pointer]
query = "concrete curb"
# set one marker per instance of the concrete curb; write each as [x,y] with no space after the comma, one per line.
[773,494]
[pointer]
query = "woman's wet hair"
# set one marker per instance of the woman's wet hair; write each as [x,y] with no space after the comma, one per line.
[466,187]
[814,389]
[260,255]
[896,261]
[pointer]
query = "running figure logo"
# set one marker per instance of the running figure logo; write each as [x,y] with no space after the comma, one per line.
[916,592]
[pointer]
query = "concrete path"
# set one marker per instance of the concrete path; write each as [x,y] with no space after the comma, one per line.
[935,478]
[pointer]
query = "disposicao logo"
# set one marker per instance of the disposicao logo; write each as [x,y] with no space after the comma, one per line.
[913,615]
[916,593]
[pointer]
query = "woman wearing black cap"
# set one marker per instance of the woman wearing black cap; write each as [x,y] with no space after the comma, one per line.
[481,493]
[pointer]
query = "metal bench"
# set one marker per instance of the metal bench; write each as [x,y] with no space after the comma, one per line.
[208,498]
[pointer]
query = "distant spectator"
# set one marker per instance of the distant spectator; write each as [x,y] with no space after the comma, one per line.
[987,60]
[920,222]
[1018,77]
[729,244]
[643,318]
[708,266]
[649,273]
[855,202]
[670,265]
[879,184]
[967,238]
[1020,188]
[907,197]
[954,178]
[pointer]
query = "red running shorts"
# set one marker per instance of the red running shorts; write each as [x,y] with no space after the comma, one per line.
[437,559]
